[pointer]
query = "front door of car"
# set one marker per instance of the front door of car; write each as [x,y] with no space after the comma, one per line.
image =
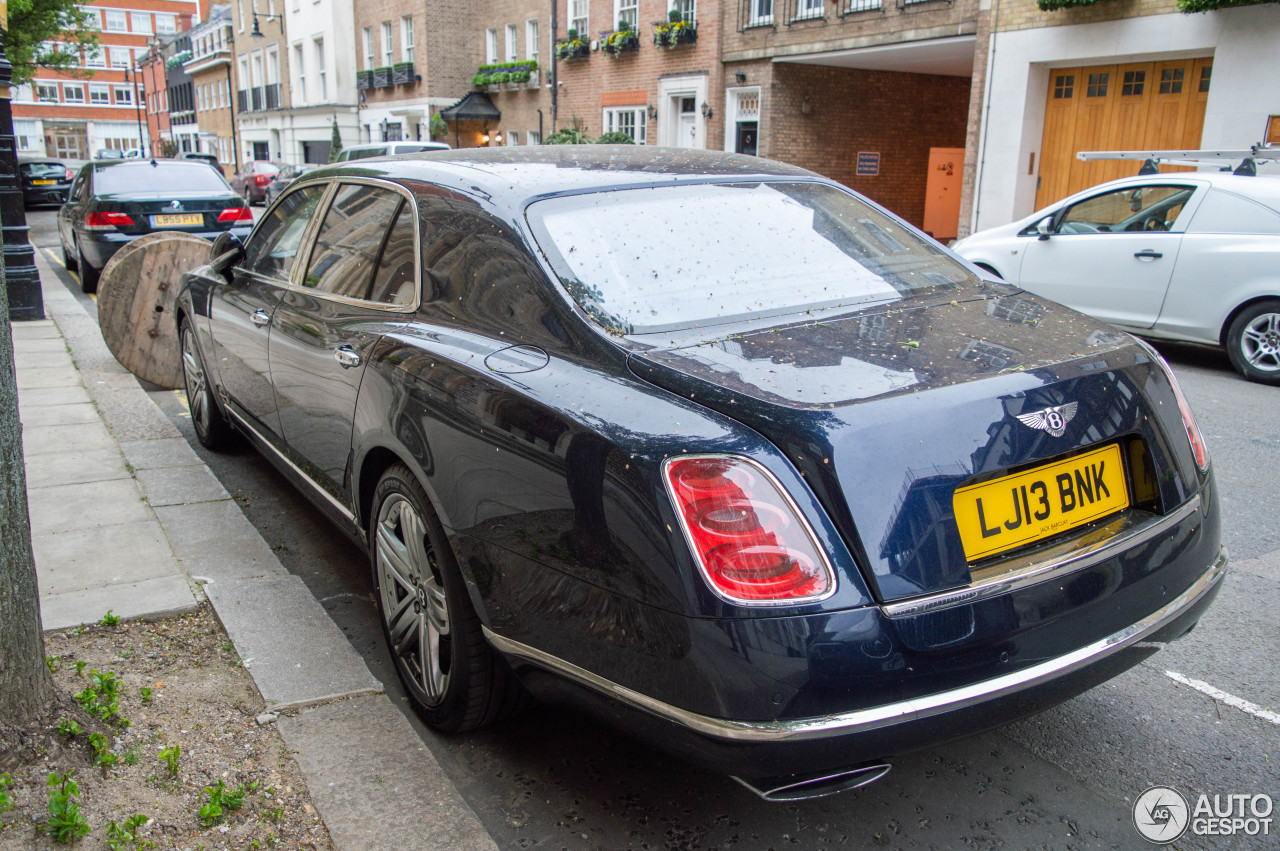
[359,283]
[1111,255]
[240,313]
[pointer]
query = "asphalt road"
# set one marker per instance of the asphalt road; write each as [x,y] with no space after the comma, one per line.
[1064,779]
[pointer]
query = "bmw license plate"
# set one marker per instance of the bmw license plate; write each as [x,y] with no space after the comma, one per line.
[43,182]
[174,220]
[1014,510]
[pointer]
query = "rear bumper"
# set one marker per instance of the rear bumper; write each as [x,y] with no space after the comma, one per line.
[99,247]
[756,748]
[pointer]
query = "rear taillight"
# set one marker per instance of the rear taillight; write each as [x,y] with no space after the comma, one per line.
[69,174]
[236,214]
[106,221]
[749,540]
[1194,435]
[262,179]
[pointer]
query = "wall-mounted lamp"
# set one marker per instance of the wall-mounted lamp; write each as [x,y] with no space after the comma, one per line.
[256,32]
[653,112]
[740,76]
[707,111]
[484,137]
[497,139]
[805,106]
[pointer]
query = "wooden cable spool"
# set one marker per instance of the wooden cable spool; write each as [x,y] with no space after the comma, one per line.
[136,296]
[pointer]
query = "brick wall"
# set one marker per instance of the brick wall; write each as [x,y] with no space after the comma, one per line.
[1025,14]
[519,102]
[901,116]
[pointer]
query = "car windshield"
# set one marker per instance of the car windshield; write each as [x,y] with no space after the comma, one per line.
[193,176]
[39,170]
[643,261]
[364,153]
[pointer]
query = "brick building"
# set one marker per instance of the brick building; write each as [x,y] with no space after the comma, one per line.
[213,87]
[72,117]
[153,72]
[516,47]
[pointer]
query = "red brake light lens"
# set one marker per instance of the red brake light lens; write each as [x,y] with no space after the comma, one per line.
[1198,447]
[750,542]
[262,179]
[69,174]
[106,221]
[236,214]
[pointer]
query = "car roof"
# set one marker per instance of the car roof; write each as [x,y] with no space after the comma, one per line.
[510,177]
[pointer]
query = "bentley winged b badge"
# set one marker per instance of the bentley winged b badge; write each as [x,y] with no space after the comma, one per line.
[1053,420]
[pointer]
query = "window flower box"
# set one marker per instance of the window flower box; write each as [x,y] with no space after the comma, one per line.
[674,33]
[619,42]
[402,73]
[381,77]
[364,79]
[573,48]
[510,73]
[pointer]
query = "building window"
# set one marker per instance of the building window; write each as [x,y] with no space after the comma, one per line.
[1134,82]
[166,24]
[47,92]
[512,46]
[320,70]
[626,11]
[810,9]
[72,93]
[140,22]
[534,137]
[1063,86]
[761,13]
[117,21]
[687,9]
[388,49]
[1171,81]
[1205,73]
[99,94]
[512,138]
[531,39]
[490,46]
[578,17]
[302,75]
[1097,85]
[367,35]
[94,57]
[626,119]
[406,39]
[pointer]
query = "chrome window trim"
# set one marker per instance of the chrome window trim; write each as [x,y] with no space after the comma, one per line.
[1044,566]
[313,231]
[863,720]
[280,282]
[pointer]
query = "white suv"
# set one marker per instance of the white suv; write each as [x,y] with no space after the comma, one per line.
[388,149]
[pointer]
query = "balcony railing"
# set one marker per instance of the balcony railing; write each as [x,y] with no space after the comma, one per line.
[805,10]
[255,98]
[258,98]
[242,100]
[364,79]
[381,77]
[272,96]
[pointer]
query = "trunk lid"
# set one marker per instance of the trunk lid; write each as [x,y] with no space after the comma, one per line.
[886,412]
[150,212]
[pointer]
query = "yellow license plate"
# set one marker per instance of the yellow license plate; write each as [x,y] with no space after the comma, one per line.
[43,182]
[1014,510]
[176,220]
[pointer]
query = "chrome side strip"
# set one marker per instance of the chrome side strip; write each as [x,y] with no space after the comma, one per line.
[330,498]
[1057,562]
[880,716]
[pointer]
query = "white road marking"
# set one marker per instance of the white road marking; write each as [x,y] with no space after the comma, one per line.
[1229,699]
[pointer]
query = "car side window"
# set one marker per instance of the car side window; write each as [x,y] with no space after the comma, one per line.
[350,239]
[393,280]
[273,246]
[1132,209]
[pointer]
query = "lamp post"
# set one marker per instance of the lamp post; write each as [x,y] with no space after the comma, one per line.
[137,110]
[21,277]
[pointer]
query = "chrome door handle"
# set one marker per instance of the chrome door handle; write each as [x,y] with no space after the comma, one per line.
[1148,254]
[346,356]
[260,318]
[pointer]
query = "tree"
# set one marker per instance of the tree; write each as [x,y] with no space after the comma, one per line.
[49,34]
[27,693]
[335,143]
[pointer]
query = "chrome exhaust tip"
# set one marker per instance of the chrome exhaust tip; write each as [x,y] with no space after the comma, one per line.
[799,787]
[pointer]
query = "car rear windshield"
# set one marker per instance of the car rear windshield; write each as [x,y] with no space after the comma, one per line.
[41,170]
[651,260]
[177,176]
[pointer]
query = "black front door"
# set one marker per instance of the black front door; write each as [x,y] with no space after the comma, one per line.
[748,133]
[261,151]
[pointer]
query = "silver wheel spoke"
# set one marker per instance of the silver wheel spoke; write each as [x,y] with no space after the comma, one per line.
[397,559]
[433,678]
[437,612]
[1260,342]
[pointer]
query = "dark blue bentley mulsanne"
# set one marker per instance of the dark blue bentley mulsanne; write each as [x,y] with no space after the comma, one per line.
[708,446]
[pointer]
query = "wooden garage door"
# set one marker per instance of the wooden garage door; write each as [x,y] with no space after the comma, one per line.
[1132,107]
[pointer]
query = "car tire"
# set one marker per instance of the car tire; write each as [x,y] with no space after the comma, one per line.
[1253,342]
[213,430]
[69,258]
[88,274]
[457,681]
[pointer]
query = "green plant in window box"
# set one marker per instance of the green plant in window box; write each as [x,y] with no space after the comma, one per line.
[573,46]
[674,31]
[621,40]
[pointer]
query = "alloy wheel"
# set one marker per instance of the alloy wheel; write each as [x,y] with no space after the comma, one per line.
[196,385]
[1260,342]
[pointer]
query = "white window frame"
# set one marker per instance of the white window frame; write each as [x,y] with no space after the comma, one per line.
[166,24]
[613,118]
[406,38]
[688,9]
[760,13]
[579,17]
[321,69]
[491,46]
[122,52]
[140,22]
[512,43]
[46,92]
[533,137]
[67,88]
[626,10]
[388,45]
[367,35]
[511,138]
[808,10]
[95,56]
[531,39]
[100,93]
[300,64]
[120,17]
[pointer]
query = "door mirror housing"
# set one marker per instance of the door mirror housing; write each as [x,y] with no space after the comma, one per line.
[1044,227]
[227,251]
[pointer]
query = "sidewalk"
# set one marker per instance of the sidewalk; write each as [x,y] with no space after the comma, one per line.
[125,516]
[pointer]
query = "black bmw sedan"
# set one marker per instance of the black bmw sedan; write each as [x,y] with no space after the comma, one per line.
[708,446]
[113,202]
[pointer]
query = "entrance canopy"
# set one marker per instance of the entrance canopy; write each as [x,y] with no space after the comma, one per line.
[476,106]
[949,57]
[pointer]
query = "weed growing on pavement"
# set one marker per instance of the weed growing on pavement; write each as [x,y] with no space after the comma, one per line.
[101,698]
[169,756]
[51,662]
[80,666]
[131,755]
[221,799]
[69,728]
[110,620]
[66,824]
[120,837]
[144,694]
[79,631]
[6,801]
[103,756]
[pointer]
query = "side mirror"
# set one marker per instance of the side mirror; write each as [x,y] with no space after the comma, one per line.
[227,251]
[1044,227]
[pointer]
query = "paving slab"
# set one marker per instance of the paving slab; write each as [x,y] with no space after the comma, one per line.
[74,467]
[180,486]
[374,782]
[53,415]
[296,655]
[130,413]
[39,344]
[34,397]
[152,599]
[65,508]
[49,359]
[64,376]
[214,541]
[102,556]
[36,330]
[60,438]
[164,452]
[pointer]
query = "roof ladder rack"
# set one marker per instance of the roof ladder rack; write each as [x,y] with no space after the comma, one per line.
[1152,160]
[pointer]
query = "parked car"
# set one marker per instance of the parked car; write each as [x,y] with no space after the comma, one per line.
[707,445]
[1192,256]
[286,176]
[44,181]
[388,149]
[108,154]
[211,159]
[251,183]
[114,202]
